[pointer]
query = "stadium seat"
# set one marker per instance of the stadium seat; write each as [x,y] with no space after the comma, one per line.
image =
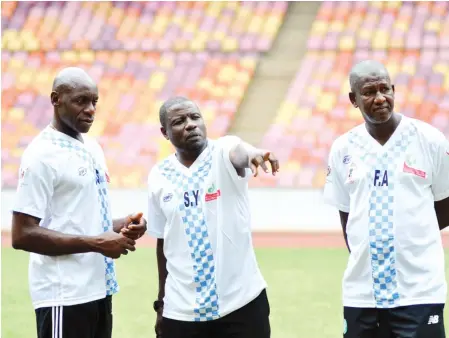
[133,26]
[217,81]
[140,54]
[407,36]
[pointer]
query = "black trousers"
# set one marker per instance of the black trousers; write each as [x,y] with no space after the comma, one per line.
[250,321]
[414,321]
[88,320]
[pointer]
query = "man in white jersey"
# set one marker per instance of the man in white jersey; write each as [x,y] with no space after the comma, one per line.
[389,178]
[210,284]
[62,216]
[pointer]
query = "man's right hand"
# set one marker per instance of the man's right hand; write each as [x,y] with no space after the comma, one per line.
[114,245]
[158,326]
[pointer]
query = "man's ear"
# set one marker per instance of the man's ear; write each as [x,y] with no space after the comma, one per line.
[55,99]
[164,133]
[352,99]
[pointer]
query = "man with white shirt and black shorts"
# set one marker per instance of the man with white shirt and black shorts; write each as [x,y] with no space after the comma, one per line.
[210,284]
[62,216]
[389,178]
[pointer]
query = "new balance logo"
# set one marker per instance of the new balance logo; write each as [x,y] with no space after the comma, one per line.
[433,320]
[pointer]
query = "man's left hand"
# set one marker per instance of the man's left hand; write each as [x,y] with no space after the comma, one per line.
[135,226]
[258,157]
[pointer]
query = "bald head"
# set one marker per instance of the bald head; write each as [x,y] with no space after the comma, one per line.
[70,78]
[74,98]
[174,103]
[372,92]
[367,68]
[183,124]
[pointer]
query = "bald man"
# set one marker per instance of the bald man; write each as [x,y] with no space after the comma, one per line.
[388,177]
[61,215]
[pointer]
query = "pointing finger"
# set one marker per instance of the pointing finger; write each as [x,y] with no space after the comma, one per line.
[264,166]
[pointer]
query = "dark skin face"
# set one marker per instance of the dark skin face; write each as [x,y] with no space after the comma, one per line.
[185,128]
[374,96]
[75,108]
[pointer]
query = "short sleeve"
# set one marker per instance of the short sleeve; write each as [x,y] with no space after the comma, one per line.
[35,188]
[335,191]
[156,219]
[227,143]
[101,157]
[440,181]
[97,152]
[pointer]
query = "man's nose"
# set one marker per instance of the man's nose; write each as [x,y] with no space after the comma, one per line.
[379,99]
[190,124]
[90,109]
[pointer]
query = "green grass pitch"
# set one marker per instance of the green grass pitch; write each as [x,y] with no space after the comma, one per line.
[304,289]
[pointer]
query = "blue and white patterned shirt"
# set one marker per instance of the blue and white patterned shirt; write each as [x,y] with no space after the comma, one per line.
[203,215]
[63,182]
[389,192]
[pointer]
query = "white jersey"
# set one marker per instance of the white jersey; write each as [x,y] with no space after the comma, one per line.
[389,191]
[203,215]
[63,182]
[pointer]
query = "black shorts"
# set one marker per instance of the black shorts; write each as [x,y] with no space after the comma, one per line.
[250,321]
[414,321]
[88,320]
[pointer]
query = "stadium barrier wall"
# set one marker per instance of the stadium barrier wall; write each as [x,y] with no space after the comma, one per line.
[272,209]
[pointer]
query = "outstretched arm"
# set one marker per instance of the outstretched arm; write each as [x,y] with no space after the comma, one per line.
[243,155]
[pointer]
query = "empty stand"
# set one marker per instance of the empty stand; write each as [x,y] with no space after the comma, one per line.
[132,86]
[140,53]
[144,52]
[410,38]
[380,25]
[226,26]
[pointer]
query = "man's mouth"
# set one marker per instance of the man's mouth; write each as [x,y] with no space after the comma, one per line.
[192,136]
[380,109]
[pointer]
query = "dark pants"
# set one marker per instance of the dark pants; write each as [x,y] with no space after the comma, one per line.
[250,321]
[89,320]
[414,321]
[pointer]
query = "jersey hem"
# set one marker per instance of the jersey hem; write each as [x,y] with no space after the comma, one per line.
[406,302]
[69,301]
[188,318]
[337,205]
[441,196]
[155,234]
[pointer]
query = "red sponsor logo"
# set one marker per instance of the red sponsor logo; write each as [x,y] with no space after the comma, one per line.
[213,196]
[414,171]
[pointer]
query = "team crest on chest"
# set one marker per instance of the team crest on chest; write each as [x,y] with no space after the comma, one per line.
[82,171]
[410,166]
[167,197]
[212,193]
